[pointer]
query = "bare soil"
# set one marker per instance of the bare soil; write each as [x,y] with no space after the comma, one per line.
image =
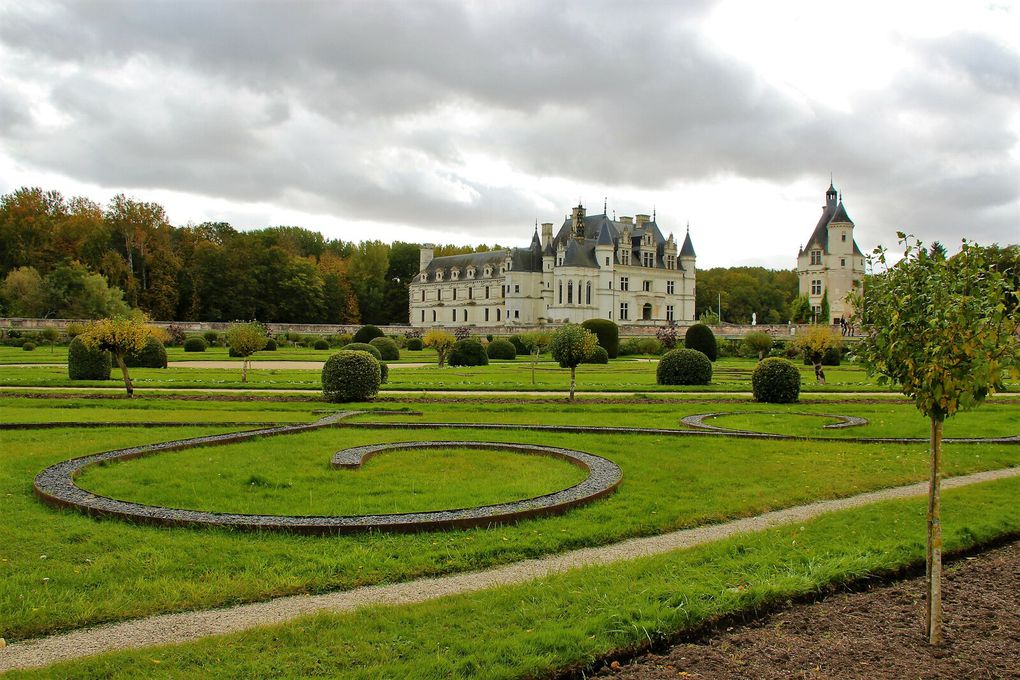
[871,634]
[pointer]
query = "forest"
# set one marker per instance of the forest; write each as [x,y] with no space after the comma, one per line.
[74,258]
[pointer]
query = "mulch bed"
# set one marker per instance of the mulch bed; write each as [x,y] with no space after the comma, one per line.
[872,634]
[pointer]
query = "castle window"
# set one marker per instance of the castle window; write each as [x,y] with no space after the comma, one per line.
[623,311]
[587,294]
[561,292]
[471,272]
[842,262]
[439,275]
[517,313]
[844,236]
[486,292]
[454,274]
[454,314]
[423,316]
[486,313]
[670,287]
[816,257]
[625,257]
[669,313]
[454,296]
[607,261]
[559,262]
[424,277]
[439,294]
[647,260]
[624,283]
[646,312]
[465,316]
[646,286]
[488,272]
[570,292]
[423,297]
[471,294]
[816,287]
[517,288]
[433,316]
[498,313]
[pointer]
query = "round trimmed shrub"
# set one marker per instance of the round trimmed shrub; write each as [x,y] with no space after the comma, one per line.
[153,355]
[599,356]
[195,345]
[87,364]
[320,344]
[415,344]
[270,345]
[518,342]
[501,349]
[384,373]
[387,348]
[367,333]
[684,367]
[28,346]
[211,337]
[775,381]
[608,334]
[468,353]
[364,347]
[700,337]
[350,375]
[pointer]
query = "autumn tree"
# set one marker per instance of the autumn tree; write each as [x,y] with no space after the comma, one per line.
[441,341]
[944,331]
[119,336]
[758,342]
[244,339]
[571,345]
[819,340]
[23,293]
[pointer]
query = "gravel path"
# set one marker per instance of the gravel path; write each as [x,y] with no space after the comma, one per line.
[188,626]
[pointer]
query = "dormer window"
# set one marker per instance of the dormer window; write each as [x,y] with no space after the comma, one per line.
[471,272]
[439,275]
[454,274]
[502,270]
[488,271]
[424,277]
[816,257]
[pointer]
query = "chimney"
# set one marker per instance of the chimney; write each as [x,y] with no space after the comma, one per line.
[627,220]
[425,256]
[546,234]
[641,219]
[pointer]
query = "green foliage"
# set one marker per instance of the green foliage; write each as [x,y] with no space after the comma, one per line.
[367,333]
[211,337]
[819,343]
[638,346]
[684,367]
[87,364]
[364,347]
[572,344]
[350,375]
[415,344]
[758,343]
[745,291]
[825,309]
[468,352]
[320,344]
[941,329]
[598,356]
[270,345]
[800,309]
[709,317]
[388,349]
[775,381]
[608,334]
[501,349]
[153,355]
[245,339]
[195,344]
[23,294]
[28,346]
[520,343]
[700,337]
[440,341]
[175,335]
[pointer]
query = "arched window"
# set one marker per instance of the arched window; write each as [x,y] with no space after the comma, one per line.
[465,316]
[498,313]
[570,292]
[561,292]
[587,295]
[423,297]
[454,314]
[433,316]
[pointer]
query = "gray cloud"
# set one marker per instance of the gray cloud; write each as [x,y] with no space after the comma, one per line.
[350,108]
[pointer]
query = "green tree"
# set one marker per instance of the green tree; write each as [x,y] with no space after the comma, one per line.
[800,309]
[536,342]
[441,341]
[50,335]
[23,293]
[72,292]
[119,336]
[758,342]
[943,331]
[245,339]
[367,273]
[823,316]
[571,345]
[814,344]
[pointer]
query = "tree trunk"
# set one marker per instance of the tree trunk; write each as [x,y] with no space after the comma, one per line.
[572,371]
[534,362]
[933,561]
[244,370]
[127,378]
[819,374]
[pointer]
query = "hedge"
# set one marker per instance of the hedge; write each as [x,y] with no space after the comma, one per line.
[775,381]
[700,337]
[350,375]
[388,349]
[684,367]
[87,364]
[608,334]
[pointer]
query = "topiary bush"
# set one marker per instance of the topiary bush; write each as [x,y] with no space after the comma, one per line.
[388,349]
[775,381]
[211,337]
[501,349]
[270,345]
[700,337]
[384,373]
[195,344]
[414,344]
[367,333]
[684,367]
[153,355]
[608,334]
[598,356]
[320,344]
[350,375]
[364,347]
[28,346]
[519,343]
[87,364]
[468,353]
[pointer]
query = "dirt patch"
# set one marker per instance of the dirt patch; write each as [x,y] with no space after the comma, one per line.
[871,634]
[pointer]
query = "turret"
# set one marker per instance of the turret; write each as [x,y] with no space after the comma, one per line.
[604,247]
[577,221]
[425,256]
[687,254]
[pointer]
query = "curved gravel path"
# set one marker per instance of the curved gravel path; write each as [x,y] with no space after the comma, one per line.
[189,626]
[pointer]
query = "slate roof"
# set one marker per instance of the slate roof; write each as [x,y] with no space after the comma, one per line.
[687,250]
[832,212]
[599,230]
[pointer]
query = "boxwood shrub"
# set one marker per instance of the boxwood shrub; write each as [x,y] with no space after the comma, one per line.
[775,381]
[364,347]
[350,375]
[384,372]
[518,342]
[684,367]
[367,333]
[195,344]
[501,349]
[700,337]
[415,344]
[321,343]
[28,346]
[388,349]
[270,345]
[599,356]
[468,353]
[608,334]
[153,355]
[86,364]
[211,337]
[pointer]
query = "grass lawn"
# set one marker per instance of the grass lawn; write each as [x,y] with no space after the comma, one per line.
[570,620]
[61,570]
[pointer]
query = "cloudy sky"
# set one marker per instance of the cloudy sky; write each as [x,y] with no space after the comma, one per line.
[466,122]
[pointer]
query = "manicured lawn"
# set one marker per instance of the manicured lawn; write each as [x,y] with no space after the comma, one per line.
[569,620]
[61,570]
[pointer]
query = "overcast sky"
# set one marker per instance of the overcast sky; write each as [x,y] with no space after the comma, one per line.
[467,122]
